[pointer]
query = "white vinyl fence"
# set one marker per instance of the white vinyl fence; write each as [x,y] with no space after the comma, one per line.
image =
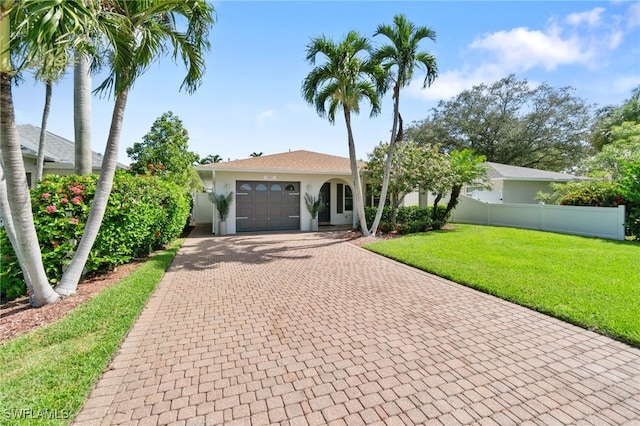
[602,222]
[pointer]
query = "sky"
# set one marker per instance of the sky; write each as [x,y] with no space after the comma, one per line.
[250,99]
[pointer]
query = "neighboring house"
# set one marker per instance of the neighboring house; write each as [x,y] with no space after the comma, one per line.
[511,185]
[269,190]
[59,154]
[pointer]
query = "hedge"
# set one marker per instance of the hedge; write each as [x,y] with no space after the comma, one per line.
[143,214]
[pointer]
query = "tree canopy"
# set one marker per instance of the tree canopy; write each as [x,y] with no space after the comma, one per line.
[512,123]
[165,149]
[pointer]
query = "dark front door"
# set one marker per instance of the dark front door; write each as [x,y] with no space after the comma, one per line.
[324,217]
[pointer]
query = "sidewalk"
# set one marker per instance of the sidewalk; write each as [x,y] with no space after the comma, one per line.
[306,329]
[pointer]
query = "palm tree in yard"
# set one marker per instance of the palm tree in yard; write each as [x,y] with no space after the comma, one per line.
[141,32]
[40,28]
[138,32]
[400,58]
[347,76]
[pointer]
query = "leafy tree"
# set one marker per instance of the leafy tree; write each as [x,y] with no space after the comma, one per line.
[347,76]
[609,117]
[165,148]
[210,159]
[403,179]
[508,122]
[400,58]
[623,148]
[435,175]
[137,33]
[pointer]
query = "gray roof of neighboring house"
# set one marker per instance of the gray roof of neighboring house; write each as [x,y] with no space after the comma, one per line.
[507,172]
[57,149]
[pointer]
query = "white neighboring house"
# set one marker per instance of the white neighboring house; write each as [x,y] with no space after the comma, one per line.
[269,191]
[509,185]
[59,154]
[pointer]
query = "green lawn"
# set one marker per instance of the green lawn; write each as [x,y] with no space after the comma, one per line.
[590,282]
[49,373]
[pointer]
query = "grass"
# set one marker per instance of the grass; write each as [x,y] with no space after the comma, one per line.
[590,282]
[48,373]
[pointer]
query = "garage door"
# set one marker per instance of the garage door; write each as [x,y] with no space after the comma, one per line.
[267,206]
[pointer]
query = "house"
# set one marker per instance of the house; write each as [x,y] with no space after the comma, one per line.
[59,154]
[516,185]
[269,190]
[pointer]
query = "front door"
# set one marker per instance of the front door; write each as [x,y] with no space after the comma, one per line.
[324,217]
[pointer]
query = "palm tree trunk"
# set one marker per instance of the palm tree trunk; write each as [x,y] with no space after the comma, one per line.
[19,199]
[453,200]
[7,221]
[355,175]
[82,114]
[389,160]
[43,132]
[71,277]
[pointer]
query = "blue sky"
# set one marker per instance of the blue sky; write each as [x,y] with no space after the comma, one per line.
[250,99]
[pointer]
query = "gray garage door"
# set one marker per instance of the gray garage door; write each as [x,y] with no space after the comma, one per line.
[267,206]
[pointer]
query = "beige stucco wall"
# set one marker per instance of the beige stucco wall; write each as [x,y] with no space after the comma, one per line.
[225,182]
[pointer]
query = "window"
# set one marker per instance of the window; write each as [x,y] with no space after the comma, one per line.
[290,187]
[276,187]
[339,196]
[348,199]
[261,187]
[245,187]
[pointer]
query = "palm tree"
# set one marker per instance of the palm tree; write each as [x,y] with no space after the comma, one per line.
[347,76]
[41,29]
[255,154]
[52,69]
[82,113]
[400,59]
[139,32]
[210,159]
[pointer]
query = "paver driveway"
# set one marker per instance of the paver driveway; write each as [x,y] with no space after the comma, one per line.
[304,328]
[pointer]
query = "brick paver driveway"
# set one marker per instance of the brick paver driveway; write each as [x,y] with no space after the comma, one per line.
[304,328]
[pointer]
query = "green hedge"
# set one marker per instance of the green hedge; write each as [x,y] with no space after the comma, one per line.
[409,219]
[143,214]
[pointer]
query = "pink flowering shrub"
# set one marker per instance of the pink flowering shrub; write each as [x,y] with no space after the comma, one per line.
[143,213]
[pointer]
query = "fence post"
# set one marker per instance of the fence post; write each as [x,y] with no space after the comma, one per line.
[621,212]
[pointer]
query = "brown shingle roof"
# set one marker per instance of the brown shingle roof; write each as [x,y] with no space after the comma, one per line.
[293,161]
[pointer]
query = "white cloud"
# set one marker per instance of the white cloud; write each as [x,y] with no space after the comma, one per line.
[265,116]
[521,49]
[633,15]
[591,18]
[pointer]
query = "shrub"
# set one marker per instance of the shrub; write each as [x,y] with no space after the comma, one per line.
[143,213]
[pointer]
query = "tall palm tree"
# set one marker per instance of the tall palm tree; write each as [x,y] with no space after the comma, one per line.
[52,69]
[82,113]
[400,58]
[31,29]
[347,76]
[139,32]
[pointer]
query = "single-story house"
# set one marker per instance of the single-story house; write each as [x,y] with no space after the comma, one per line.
[510,185]
[517,185]
[269,190]
[59,154]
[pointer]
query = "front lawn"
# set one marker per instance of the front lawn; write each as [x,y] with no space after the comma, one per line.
[590,282]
